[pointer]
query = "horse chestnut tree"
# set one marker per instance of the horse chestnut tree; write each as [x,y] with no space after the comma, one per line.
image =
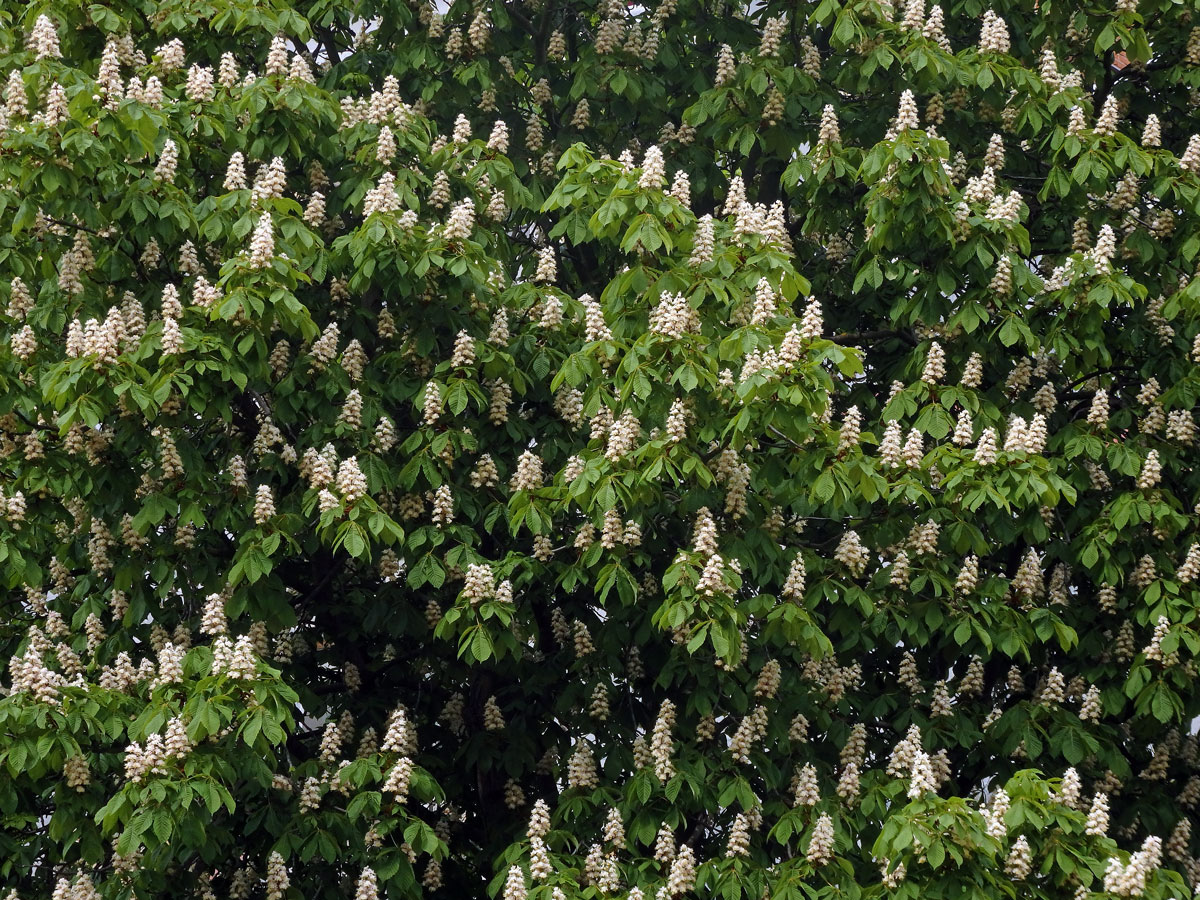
[572,449]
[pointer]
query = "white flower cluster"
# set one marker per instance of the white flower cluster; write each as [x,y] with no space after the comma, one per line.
[994,37]
[235,660]
[673,316]
[1129,880]
[43,39]
[262,243]
[382,198]
[151,759]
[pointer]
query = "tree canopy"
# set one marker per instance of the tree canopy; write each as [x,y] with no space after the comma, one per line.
[555,449]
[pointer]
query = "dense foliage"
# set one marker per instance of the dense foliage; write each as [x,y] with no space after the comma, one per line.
[555,448]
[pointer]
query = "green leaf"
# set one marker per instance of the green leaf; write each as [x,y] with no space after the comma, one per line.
[354,542]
